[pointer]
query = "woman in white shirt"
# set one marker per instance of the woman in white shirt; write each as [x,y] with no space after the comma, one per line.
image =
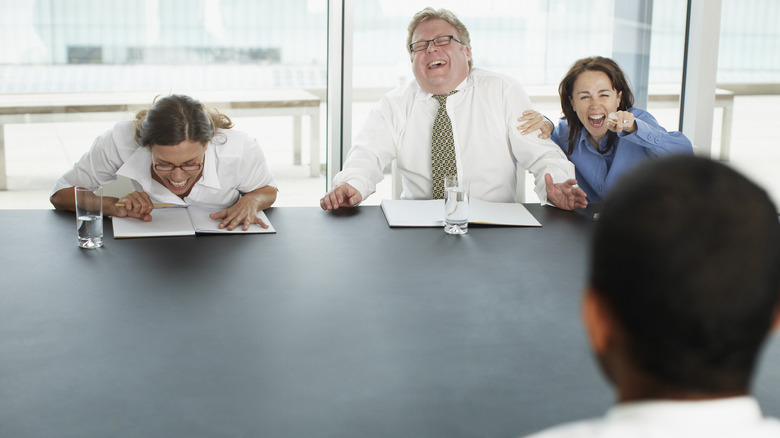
[177,152]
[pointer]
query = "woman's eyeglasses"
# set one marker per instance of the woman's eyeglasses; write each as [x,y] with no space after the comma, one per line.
[184,167]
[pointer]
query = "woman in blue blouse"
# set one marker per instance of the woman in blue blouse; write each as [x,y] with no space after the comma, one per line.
[595,95]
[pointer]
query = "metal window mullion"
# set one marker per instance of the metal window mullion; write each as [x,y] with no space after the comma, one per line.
[339,88]
[700,67]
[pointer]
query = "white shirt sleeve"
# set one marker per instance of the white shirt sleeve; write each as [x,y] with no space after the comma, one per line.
[534,154]
[373,149]
[99,165]
[253,168]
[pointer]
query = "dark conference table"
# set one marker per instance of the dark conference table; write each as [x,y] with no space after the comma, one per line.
[336,326]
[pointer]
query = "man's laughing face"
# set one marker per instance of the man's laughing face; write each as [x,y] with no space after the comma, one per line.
[439,69]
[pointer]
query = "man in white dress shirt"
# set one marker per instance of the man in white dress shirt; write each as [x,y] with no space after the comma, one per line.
[483,113]
[683,292]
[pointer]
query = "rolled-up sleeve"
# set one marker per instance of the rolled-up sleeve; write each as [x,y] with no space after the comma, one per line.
[539,156]
[99,165]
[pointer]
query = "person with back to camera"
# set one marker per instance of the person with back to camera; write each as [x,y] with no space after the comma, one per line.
[596,96]
[683,291]
[177,152]
[477,110]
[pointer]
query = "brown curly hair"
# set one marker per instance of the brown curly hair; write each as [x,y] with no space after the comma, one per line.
[176,118]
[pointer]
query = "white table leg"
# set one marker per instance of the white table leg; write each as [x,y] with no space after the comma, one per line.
[3,175]
[725,132]
[314,143]
[297,126]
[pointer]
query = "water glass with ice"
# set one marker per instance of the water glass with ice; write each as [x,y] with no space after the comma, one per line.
[89,216]
[456,205]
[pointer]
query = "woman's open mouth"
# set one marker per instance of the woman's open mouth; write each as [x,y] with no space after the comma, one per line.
[597,121]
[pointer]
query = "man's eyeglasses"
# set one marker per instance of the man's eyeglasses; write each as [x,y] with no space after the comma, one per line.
[419,46]
[184,167]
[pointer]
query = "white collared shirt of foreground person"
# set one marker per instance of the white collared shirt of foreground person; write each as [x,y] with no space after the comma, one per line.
[718,418]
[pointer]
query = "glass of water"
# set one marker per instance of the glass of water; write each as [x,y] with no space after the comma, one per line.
[89,216]
[456,205]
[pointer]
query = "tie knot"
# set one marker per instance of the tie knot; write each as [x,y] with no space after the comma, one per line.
[442,98]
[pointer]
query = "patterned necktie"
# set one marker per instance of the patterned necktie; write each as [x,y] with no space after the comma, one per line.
[442,147]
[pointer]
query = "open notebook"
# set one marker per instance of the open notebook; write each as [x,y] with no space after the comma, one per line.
[430,213]
[180,221]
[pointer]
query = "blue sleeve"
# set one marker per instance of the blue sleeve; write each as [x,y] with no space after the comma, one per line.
[556,136]
[649,134]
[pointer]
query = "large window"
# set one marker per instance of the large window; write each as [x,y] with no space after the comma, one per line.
[749,67]
[151,47]
[141,49]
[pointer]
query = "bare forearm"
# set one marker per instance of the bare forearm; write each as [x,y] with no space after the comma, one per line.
[64,199]
[264,196]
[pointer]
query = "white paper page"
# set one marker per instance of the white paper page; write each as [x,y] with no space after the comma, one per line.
[172,221]
[500,213]
[408,213]
[204,224]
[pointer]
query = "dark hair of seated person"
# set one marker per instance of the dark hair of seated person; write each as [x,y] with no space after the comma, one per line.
[686,255]
[566,91]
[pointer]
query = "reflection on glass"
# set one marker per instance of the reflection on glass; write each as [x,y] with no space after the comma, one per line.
[87,45]
[144,48]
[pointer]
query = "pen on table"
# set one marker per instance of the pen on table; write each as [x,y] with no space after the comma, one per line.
[122,204]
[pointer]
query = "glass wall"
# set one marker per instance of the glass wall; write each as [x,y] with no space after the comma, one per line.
[140,49]
[749,43]
[117,45]
[749,67]
[535,41]
[160,46]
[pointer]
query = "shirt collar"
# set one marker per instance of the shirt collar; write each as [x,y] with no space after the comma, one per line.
[584,140]
[209,177]
[138,167]
[729,409]
[467,83]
